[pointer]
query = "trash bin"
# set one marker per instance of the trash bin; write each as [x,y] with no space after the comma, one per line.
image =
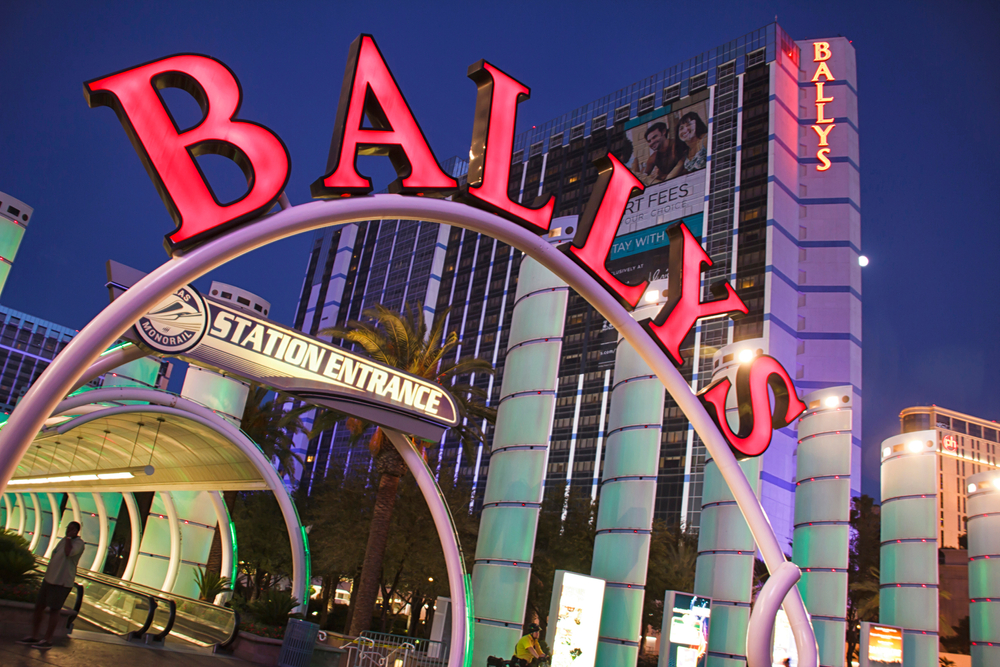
[298,644]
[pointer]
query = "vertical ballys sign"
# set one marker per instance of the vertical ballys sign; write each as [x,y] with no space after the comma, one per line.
[370,92]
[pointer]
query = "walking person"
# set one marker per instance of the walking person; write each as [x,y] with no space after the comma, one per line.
[58,582]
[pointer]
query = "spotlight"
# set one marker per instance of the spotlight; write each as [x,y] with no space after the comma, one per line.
[830,401]
[972,488]
[914,446]
[652,296]
[745,356]
[886,452]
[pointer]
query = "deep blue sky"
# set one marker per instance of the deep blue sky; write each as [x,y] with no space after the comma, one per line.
[928,90]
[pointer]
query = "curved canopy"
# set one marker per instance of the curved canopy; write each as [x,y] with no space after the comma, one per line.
[185,453]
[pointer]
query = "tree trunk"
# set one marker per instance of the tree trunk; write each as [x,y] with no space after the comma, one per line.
[355,583]
[371,571]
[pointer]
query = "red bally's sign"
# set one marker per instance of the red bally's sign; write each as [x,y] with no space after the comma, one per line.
[370,91]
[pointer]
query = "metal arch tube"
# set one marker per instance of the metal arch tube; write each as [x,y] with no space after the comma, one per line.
[133,549]
[38,521]
[103,536]
[228,553]
[765,609]
[171,404]
[174,564]
[449,543]
[54,526]
[22,516]
[84,349]
[9,509]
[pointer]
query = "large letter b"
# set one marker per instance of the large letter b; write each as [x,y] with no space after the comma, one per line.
[169,154]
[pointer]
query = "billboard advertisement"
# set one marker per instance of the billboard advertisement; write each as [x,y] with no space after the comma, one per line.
[881,645]
[684,633]
[574,619]
[669,152]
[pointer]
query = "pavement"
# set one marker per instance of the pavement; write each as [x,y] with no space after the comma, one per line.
[91,649]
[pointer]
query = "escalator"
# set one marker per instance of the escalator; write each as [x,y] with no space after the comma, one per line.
[136,612]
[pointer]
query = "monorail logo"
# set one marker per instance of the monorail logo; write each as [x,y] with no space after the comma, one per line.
[176,324]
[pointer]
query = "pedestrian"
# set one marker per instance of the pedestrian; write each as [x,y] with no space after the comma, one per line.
[58,582]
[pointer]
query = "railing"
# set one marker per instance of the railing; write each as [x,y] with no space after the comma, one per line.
[379,649]
[115,604]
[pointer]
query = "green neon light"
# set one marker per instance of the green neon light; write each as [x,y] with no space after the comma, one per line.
[236,560]
[115,348]
[470,617]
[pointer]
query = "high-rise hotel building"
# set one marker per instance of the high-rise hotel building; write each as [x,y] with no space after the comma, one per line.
[966,445]
[754,145]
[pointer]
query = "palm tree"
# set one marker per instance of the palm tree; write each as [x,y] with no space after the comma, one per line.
[404,342]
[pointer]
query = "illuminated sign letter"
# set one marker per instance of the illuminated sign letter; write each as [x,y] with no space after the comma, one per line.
[169,153]
[492,145]
[821,51]
[369,90]
[756,419]
[821,54]
[684,305]
[598,225]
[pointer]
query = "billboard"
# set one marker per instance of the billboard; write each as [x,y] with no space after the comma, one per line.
[684,633]
[669,152]
[574,619]
[784,653]
[881,645]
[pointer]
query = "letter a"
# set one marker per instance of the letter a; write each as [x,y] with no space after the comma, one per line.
[369,90]
[168,154]
[684,305]
[598,225]
[492,145]
[756,419]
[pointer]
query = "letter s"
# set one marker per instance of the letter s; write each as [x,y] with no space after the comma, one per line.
[756,419]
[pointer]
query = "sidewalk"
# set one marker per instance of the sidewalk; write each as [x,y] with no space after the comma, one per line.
[87,649]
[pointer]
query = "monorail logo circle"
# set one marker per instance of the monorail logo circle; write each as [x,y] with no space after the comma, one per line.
[176,324]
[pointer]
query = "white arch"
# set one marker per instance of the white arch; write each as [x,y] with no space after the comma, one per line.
[22,515]
[136,534]
[102,535]
[183,268]
[170,404]
[38,521]
[174,563]
[226,539]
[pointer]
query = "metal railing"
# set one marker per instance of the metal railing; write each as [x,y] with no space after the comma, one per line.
[379,649]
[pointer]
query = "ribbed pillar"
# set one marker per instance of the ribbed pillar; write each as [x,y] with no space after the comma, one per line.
[909,559]
[822,516]
[518,462]
[984,568]
[726,547]
[625,513]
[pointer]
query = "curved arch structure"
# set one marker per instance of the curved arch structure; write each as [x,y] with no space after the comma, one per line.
[84,349]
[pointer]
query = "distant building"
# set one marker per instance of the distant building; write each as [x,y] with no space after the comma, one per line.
[966,445]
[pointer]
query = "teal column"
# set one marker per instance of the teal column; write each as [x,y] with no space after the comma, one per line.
[726,547]
[518,462]
[822,516]
[984,568]
[909,559]
[628,493]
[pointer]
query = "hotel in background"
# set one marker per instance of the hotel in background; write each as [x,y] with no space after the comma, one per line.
[754,145]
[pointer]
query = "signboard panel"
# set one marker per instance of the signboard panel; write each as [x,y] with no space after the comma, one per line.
[684,633]
[574,619]
[214,334]
[881,645]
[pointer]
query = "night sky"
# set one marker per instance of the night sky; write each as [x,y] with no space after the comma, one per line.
[927,92]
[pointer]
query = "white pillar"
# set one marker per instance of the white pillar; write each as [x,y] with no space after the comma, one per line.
[38,521]
[133,550]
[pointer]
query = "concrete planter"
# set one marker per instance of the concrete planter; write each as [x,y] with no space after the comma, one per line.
[15,620]
[266,651]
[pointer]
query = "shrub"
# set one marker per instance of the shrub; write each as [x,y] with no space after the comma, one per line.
[17,563]
[210,584]
[273,608]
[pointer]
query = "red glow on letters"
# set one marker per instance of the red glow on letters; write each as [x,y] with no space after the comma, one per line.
[684,305]
[492,146]
[756,419]
[168,154]
[598,225]
[369,90]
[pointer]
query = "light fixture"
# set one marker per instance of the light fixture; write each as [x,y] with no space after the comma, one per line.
[914,446]
[972,488]
[862,260]
[86,476]
[651,296]
[886,452]
[745,356]
[830,401]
